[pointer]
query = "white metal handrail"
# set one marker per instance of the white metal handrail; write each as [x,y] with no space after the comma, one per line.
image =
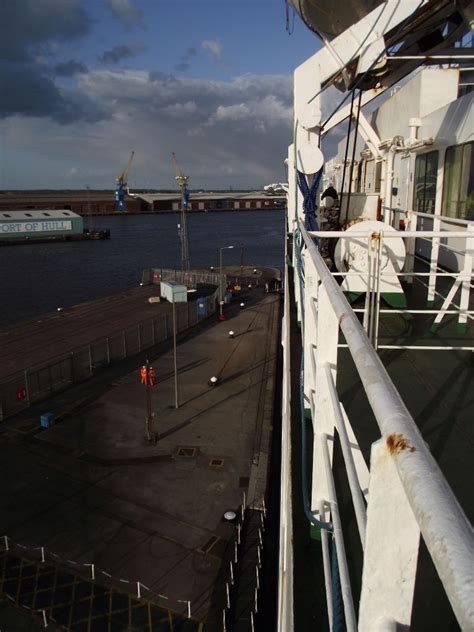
[444,526]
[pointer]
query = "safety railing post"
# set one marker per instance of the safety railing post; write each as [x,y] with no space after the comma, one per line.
[466,275]
[391,545]
[327,335]
[411,225]
[433,262]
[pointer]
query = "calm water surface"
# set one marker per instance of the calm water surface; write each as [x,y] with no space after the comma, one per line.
[36,279]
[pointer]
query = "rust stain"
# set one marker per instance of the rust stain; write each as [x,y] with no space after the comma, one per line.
[397,443]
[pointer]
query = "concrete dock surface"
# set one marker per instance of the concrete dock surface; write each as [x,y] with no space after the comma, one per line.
[92,489]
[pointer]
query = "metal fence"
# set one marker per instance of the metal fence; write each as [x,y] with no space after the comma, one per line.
[190,278]
[35,383]
[406,494]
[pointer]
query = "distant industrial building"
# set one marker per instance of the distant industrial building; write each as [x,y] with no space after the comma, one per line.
[86,203]
[226,201]
[38,224]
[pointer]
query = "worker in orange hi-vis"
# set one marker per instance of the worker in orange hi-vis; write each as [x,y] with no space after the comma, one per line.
[147,377]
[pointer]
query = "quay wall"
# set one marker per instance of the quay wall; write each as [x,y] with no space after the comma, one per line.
[34,383]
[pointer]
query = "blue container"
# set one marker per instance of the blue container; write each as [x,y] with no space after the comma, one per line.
[201,306]
[47,420]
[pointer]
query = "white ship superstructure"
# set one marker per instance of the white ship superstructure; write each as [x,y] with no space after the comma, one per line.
[404,177]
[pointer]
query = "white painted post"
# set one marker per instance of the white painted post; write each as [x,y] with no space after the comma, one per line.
[227,594]
[433,261]
[231,573]
[309,331]
[138,590]
[391,545]
[467,274]
[42,554]
[412,225]
[5,539]
[323,421]
[45,620]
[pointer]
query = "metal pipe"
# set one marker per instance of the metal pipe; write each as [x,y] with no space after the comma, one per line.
[377,293]
[175,359]
[445,528]
[389,234]
[357,497]
[349,610]
[327,567]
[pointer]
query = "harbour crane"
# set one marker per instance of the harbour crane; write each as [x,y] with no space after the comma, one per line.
[182,181]
[121,186]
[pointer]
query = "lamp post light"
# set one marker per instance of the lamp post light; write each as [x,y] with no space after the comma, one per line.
[221,299]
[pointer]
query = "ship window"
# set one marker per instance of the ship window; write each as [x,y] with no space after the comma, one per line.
[28,215]
[458,189]
[426,172]
[368,176]
[46,214]
[378,176]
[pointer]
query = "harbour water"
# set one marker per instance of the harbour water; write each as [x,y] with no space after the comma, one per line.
[38,278]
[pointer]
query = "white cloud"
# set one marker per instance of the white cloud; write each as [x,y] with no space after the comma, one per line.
[214,48]
[180,110]
[230,113]
[239,128]
[126,11]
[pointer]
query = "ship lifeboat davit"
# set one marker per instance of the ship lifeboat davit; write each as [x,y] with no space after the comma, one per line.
[330,18]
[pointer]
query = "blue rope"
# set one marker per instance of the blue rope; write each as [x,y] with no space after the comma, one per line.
[338,619]
[309,200]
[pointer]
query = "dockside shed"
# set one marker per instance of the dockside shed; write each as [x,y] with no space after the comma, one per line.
[44,223]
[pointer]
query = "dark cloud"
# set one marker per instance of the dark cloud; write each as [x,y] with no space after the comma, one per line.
[119,52]
[70,68]
[157,76]
[29,29]
[27,24]
[32,93]
[184,63]
[125,11]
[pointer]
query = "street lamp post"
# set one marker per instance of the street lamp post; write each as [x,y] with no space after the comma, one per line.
[221,299]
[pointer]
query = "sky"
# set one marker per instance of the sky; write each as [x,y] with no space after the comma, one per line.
[85,82]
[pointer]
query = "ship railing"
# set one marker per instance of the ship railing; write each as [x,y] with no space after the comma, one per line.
[429,277]
[406,493]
